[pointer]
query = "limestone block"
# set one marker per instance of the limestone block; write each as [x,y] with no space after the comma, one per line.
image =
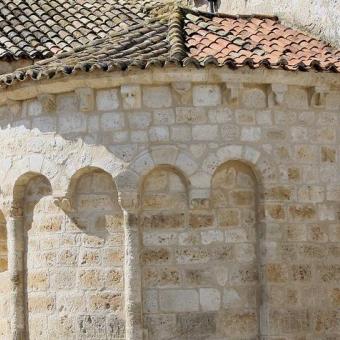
[302,212]
[201,220]
[197,324]
[186,164]
[200,179]
[251,134]
[328,154]
[67,103]
[245,252]
[85,99]
[299,134]
[63,279]
[150,303]
[205,132]
[231,297]
[157,96]
[155,256]
[159,239]
[230,132]
[210,299]
[188,238]
[332,101]
[36,162]
[89,279]
[180,133]
[41,303]
[44,124]
[206,95]
[14,107]
[112,121]
[245,116]
[159,134]
[120,137]
[37,281]
[107,100]
[160,326]
[91,326]
[230,152]
[297,98]
[164,155]
[264,117]
[235,235]
[113,257]
[192,255]
[163,117]
[179,300]
[254,98]
[306,117]
[101,302]
[139,136]
[60,327]
[220,115]
[139,121]
[251,155]
[238,323]
[72,123]
[33,107]
[191,115]
[131,96]
[212,236]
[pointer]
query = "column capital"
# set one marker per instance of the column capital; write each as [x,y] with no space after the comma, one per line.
[16,212]
[129,201]
[64,203]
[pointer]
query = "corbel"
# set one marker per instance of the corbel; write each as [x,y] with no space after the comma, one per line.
[278,93]
[319,96]
[234,92]
[48,102]
[85,99]
[183,89]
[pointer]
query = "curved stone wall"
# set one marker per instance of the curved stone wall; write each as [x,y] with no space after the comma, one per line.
[195,209]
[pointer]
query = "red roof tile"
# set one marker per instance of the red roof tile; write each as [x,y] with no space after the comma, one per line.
[186,37]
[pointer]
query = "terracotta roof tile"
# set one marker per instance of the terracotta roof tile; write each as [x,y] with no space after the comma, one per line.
[183,38]
[39,29]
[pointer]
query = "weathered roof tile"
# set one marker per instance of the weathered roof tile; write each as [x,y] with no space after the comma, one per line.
[122,35]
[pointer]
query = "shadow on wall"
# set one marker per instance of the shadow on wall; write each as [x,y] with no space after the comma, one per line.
[3,244]
[73,264]
[200,267]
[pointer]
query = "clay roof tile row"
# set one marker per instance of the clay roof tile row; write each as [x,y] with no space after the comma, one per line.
[126,34]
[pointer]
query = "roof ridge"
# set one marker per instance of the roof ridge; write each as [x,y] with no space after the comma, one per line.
[175,35]
[230,16]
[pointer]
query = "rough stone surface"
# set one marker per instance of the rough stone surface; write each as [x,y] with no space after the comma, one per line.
[140,215]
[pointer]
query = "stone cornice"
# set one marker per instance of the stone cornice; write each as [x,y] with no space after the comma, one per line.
[154,76]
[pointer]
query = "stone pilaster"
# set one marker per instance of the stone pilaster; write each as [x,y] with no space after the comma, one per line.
[132,271]
[16,263]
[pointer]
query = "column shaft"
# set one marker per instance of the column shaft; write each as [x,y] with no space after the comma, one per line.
[16,263]
[132,272]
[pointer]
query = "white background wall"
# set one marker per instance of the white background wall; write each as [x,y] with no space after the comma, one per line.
[321,17]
